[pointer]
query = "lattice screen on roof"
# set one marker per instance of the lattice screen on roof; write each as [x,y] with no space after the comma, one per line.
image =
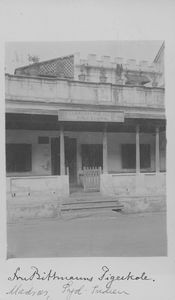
[61,67]
[48,68]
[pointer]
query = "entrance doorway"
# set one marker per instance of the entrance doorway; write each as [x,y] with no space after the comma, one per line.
[92,163]
[70,157]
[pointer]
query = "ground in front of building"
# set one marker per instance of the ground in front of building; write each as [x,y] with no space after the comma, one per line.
[94,235]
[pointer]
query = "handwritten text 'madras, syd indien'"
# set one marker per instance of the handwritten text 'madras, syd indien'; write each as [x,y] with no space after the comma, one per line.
[105,280]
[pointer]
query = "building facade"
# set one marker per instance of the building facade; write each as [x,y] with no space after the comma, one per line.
[95,124]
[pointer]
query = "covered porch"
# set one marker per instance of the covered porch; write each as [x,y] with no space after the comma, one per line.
[45,152]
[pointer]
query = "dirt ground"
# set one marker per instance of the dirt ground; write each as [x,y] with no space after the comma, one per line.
[116,235]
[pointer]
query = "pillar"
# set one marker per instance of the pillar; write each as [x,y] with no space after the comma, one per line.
[137,149]
[157,151]
[105,150]
[79,160]
[62,153]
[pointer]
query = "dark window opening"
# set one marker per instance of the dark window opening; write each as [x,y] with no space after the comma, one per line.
[92,155]
[129,156]
[145,156]
[18,157]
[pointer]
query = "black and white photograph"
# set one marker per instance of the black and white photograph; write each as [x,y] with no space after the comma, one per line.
[87,149]
[85,146]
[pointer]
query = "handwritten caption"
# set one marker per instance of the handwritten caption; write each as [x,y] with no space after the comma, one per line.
[104,283]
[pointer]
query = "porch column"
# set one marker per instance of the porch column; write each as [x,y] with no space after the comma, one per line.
[62,155]
[137,149]
[105,150]
[157,151]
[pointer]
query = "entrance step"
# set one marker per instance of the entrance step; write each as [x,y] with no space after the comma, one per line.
[91,206]
[90,202]
[99,213]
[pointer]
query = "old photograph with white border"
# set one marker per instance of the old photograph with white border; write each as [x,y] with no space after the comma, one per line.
[85,149]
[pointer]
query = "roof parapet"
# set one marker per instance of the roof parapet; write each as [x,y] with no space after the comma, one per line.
[107,62]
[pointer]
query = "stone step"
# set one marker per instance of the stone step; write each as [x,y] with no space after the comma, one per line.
[89,201]
[92,197]
[91,210]
[92,206]
[97,213]
[95,199]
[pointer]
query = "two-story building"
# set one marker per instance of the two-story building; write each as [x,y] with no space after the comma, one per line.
[95,124]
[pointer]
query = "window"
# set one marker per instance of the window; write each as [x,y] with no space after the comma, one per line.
[18,157]
[129,156]
[145,156]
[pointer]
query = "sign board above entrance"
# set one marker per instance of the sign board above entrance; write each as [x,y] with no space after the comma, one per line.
[90,116]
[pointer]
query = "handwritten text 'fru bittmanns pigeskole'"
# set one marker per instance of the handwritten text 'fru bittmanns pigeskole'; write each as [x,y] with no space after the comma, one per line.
[105,282]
